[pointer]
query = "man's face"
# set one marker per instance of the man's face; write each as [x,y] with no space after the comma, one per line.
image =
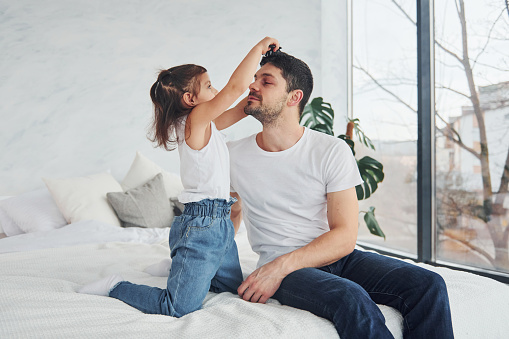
[267,95]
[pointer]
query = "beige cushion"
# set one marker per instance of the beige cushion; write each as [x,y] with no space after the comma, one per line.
[142,170]
[84,198]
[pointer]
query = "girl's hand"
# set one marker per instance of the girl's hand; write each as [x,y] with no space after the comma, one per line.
[266,42]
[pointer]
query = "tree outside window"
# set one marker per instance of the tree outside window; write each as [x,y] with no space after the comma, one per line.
[472,128]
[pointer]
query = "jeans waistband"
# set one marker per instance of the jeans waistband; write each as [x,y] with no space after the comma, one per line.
[216,208]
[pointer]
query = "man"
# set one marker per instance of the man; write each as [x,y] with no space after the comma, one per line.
[300,209]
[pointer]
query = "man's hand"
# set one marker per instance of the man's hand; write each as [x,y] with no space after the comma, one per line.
[236,212]
[342,214]
[262,283]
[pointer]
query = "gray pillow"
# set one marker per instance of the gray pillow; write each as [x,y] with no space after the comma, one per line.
[178,207]
[144,206]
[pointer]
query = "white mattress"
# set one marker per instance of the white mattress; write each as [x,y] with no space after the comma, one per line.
[40,276]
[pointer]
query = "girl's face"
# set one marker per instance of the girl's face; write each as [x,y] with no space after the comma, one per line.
[207,92]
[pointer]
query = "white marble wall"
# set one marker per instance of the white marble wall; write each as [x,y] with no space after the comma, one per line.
[75,75]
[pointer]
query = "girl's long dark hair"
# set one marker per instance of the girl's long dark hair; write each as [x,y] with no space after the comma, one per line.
[166,94]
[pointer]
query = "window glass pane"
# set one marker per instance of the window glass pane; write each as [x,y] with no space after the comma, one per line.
[472,136]
[385,101]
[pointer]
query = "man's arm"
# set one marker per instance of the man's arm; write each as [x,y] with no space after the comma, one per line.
[236,212]
[342,214]
[231,116]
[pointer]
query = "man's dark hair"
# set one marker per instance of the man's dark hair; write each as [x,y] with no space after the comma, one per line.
[296,73]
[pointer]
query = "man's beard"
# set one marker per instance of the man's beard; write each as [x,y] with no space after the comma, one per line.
[267,115]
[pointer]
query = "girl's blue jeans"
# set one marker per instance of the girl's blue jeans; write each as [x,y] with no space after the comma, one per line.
[204,257]
[347,291]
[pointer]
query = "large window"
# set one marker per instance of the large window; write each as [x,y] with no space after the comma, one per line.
[472,136]
[384,62]
[448,100]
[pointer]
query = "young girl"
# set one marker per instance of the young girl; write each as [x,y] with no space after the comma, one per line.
[189,113]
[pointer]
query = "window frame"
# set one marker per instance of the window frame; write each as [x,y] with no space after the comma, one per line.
[426,183]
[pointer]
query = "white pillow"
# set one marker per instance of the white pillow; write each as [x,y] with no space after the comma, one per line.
[34,211]
[142,170]
[2,216]
[7,225]
[84,198]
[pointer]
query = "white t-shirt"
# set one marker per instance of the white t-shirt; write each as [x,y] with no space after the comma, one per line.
[205,173]
[284,194]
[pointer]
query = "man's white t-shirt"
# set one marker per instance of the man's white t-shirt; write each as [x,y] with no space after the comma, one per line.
[284,194]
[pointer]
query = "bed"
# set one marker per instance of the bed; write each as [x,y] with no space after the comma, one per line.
[58,238]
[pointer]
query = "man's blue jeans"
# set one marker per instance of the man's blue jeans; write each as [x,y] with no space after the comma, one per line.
[204,257]
[347,291]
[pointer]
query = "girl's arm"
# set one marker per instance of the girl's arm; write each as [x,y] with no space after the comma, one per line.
[231,116]
[201,116]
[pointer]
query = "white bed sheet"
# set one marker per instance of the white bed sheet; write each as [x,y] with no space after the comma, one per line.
[82,232]
[39,279]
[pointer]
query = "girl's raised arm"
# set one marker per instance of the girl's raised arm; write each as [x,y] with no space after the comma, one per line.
[205,112]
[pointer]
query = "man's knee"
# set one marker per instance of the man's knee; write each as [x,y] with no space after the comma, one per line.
[435,283]
[424,285]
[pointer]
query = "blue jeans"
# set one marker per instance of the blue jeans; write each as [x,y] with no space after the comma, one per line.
[204,257]
[347,291]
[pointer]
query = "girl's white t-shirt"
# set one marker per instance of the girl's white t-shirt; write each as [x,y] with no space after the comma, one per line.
[205,173]
[284,194]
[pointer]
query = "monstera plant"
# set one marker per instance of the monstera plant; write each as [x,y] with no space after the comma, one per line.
[319,116]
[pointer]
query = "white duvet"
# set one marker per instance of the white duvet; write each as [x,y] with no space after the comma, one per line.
[82,232]
[38,296]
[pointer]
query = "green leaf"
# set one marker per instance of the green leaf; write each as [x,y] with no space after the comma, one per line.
[319,116]
[360,192]
[360,134]
[348,141]
[372,173]
[373,226]
[322,128]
